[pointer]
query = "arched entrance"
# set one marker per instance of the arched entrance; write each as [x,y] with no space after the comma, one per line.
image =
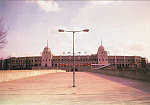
[45,65]
[75,69]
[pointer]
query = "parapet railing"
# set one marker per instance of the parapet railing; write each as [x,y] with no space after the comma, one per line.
[8,75]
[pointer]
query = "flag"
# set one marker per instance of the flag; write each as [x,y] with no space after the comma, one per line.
[60,30]
[86,30]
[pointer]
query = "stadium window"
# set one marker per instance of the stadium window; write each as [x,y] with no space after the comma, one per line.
[55,65]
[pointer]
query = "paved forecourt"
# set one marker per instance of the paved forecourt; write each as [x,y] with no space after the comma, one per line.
[91,89]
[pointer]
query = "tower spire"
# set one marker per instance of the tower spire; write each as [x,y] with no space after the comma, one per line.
[101,42]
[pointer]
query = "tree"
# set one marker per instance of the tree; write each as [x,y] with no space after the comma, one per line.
[3,34]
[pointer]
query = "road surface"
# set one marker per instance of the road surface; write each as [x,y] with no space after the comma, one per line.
[91,89]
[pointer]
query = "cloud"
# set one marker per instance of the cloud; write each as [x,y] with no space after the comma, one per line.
[94,3]
[46,5]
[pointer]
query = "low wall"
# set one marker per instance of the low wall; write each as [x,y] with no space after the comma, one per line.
[8,75]
[132,74]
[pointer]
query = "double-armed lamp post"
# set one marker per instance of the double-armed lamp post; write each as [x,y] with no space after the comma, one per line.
[85,30]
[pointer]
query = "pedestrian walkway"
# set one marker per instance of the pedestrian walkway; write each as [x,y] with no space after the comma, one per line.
[91,89]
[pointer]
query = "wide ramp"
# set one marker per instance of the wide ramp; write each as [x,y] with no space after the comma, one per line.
[91,89]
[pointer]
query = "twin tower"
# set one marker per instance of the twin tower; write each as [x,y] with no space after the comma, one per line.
[47,57]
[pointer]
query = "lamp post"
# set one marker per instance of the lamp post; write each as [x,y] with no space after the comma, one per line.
[62,30]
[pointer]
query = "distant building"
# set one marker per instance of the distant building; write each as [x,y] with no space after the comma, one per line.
[24,62]
[125,61]
[144,62]
[82,62]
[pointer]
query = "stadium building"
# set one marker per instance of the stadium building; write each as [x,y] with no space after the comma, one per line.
[82,62]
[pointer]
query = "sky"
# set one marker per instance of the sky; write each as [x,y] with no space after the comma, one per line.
[123,27]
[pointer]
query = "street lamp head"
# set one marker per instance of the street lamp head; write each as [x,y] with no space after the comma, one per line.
[61,30]
[85,30]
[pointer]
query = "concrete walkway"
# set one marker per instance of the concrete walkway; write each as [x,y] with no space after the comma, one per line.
[92,89]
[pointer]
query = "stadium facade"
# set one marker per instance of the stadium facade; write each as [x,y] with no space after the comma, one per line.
[82,62]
